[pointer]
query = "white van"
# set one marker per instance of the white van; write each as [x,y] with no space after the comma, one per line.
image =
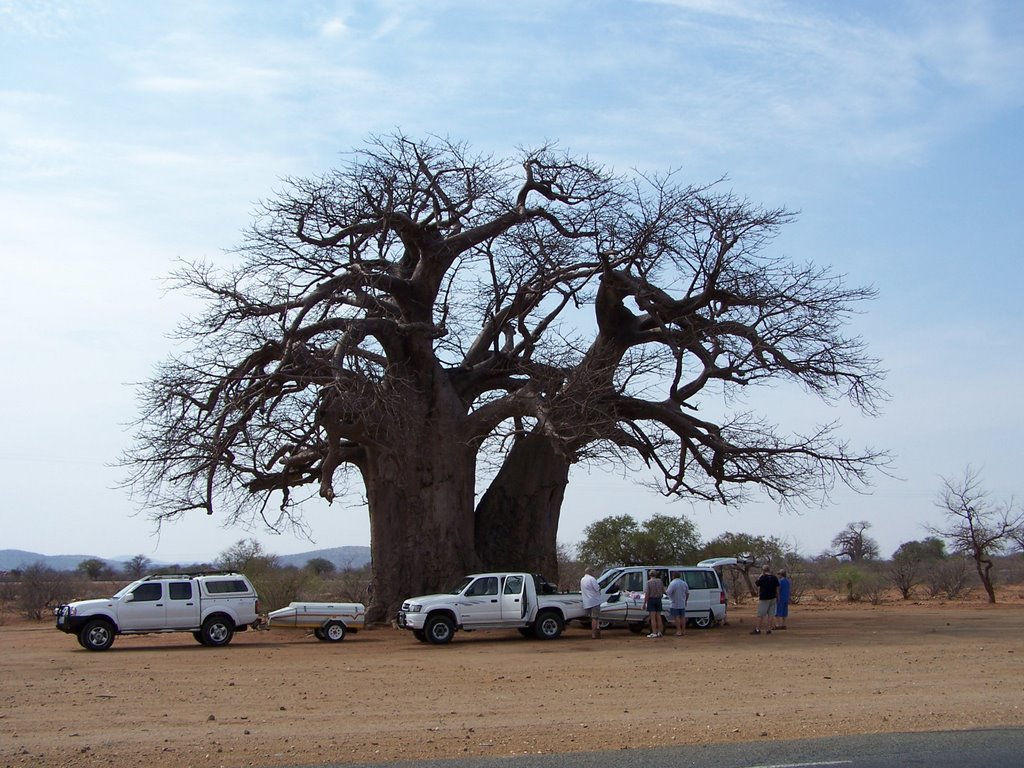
[624,590]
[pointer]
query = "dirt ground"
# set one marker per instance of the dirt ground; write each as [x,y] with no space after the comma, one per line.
[283,698]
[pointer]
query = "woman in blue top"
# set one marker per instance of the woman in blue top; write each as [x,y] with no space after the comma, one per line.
[782,606]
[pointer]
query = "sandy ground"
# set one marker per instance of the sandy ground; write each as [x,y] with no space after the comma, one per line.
[283,698]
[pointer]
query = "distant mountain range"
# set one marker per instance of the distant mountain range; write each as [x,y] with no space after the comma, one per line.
[342,557]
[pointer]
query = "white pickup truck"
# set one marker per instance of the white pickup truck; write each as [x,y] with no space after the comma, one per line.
[212,606]
[522,601]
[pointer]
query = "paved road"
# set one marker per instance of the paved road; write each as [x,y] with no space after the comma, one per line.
[996,748]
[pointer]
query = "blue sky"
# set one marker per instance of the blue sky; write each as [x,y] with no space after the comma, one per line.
[136,134]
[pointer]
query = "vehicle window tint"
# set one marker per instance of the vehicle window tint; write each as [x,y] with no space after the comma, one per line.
[222,586]
[695,579]
[180,590]
[485,586]
[147,592]
[631,581]
[513,585]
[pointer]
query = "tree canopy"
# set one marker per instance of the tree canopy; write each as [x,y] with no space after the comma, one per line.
[423,316]
[620,540]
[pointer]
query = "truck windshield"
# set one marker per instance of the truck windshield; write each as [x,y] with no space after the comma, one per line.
[125,590]
[457,589]
[608,577]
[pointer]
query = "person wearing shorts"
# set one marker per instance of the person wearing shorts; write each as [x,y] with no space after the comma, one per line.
[767,595]
[592,599]
[678,592]
[654,591]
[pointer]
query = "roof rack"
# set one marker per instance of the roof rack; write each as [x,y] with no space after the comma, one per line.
[189,575]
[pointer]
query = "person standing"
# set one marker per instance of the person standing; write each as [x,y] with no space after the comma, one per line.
[592,599]
[679,592]
[654,592]
[782,609]
[767,596]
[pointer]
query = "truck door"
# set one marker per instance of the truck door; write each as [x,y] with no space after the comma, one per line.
[182,605]
[480,604]
[513,602]
[143,608]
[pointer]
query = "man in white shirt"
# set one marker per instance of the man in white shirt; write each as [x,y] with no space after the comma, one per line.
[678,592]
[592,599]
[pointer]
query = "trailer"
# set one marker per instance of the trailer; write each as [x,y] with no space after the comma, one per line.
[329,622]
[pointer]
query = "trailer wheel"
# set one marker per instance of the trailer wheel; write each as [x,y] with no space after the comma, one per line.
[96,635]
[318,633]
[439,629]
[217,631]
[549,625]
[333,632]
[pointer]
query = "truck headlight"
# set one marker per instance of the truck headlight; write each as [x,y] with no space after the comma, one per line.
[414,608]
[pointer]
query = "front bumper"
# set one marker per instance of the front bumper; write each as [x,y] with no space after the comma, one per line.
[411,620]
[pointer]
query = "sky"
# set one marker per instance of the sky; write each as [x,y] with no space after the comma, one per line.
[135,135]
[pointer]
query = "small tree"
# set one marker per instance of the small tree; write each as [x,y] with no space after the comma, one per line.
[619,540]
[853,542]
[752,552]
[976,526]
[910,560]
[321,566]
[137,567]
[41,589]
[94,569]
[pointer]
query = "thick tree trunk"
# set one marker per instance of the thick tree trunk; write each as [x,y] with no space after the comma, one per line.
[421,522]
[517,517]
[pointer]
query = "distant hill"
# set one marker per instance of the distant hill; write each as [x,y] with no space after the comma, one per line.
[11,559]
[342,557]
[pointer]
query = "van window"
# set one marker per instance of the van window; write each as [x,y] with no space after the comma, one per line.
[630,581]
[701,580]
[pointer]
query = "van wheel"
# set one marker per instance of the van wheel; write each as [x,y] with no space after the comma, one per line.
[439,629]
[704,622]
[217,631]
[548,626]
[333,632]
[97,635]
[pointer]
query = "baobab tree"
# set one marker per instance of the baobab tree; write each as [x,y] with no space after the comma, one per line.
[401,324]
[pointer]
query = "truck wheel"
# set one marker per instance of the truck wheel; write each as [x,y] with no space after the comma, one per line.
[199,638]
[525,631]
[333,632]
[318,633]
[217,631]
[439,629]
[96,635]
[637,627]
[548,626]
[420,635]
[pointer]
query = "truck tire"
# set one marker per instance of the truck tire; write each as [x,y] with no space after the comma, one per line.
[217,631]
[637,627]
[549,625]
[199,638]
[333,632]
[439,629]
[420,635]
[96,635]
